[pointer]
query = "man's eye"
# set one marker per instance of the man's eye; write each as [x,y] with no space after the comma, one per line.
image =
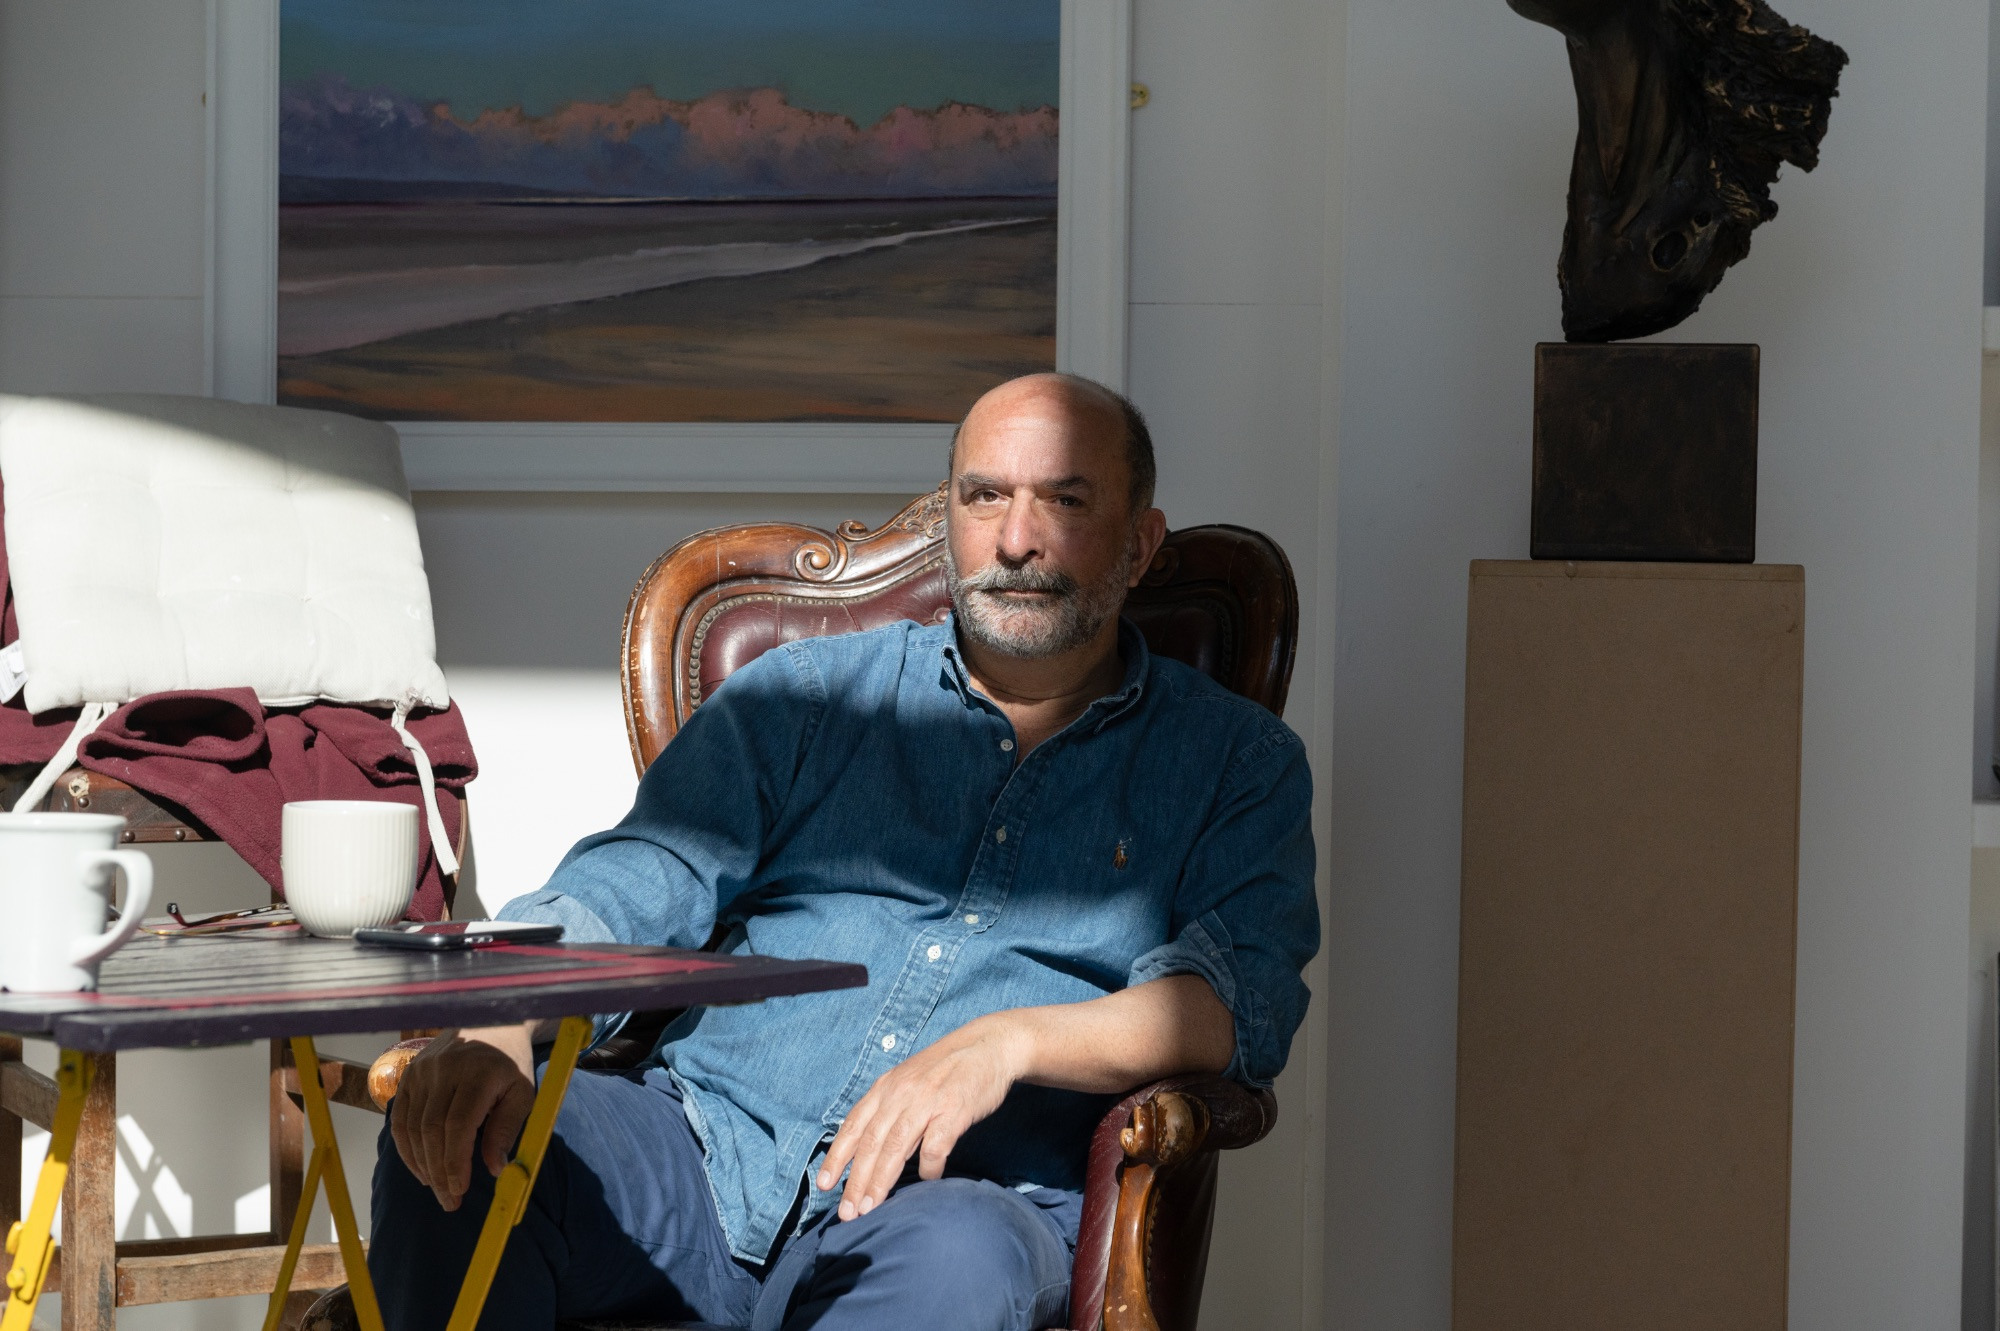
[1069,501]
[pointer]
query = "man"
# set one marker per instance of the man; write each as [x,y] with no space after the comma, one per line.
[1069,867]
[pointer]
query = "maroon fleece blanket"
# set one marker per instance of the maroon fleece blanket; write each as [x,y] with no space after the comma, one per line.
[233,765]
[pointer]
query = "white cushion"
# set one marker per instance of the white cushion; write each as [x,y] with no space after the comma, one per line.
[159,542]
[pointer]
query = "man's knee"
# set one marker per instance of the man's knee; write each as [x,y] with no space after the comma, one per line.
[403,1189]
[398,1194]
[972,1248]
[962,1224]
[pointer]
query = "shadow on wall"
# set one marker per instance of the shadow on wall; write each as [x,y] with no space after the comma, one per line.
[529,595]
[540,581]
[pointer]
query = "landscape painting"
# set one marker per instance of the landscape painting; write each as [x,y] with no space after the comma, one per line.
[665,210]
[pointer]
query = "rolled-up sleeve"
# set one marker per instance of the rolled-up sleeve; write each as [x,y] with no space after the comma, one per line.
[1245,916]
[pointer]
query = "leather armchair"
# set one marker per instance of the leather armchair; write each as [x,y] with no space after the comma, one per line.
[1219,598]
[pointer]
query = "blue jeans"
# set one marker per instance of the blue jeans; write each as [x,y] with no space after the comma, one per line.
[622,1227]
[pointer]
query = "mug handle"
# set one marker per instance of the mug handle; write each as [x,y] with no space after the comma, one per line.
[138,867]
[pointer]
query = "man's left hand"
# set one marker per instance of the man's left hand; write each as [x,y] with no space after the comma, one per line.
[1104,1046]
[923,1107]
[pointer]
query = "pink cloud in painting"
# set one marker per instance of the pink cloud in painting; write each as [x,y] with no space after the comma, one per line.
[337,141]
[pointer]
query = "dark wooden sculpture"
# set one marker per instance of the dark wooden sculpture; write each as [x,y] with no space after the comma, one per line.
[1685,111]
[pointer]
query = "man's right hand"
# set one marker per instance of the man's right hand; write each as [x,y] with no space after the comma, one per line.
[463,1084]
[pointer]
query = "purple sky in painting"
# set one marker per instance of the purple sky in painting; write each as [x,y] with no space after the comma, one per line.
[739,144]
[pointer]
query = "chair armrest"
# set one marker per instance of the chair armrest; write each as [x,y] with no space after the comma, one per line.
[629,1048]
[1237,1115]
[344,1081]
[386,1073]
[1149,1197]
[633,1044]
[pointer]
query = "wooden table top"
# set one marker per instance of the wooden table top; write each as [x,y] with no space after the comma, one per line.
[165,992]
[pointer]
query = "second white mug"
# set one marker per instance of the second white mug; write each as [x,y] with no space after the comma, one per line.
[349,864]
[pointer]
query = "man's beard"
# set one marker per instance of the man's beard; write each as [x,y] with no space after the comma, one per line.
[1068,616]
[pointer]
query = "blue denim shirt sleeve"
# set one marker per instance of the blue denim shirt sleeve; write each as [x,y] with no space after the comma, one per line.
[1245,915]
[692,840]
[579,925]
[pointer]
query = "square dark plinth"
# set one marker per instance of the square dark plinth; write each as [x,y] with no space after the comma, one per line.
[1646,451]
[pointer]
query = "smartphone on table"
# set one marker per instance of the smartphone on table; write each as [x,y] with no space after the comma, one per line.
[455,935]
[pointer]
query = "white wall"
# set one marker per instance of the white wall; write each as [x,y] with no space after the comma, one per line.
[1228,230]
[1864,294]
[102,221]
[103,152]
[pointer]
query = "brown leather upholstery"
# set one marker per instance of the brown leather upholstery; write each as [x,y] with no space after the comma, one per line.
[1219,598]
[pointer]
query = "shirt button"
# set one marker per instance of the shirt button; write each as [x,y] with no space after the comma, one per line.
[972,919]
[1006,746]
[888,1043]
[1001,836]
[935,952]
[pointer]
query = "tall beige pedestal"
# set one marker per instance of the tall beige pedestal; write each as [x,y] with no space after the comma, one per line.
[1626,946]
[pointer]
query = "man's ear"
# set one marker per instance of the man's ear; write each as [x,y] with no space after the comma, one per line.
[1147,535]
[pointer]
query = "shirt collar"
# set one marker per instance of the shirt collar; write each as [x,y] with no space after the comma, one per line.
[1131,648]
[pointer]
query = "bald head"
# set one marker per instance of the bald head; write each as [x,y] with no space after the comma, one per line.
[1049,517]
[1069,404]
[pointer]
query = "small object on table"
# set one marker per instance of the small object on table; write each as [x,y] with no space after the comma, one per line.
[349,864]
[457,935]
[183,992]
[273,916]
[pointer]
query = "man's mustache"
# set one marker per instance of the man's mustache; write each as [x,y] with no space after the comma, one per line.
[1000,578]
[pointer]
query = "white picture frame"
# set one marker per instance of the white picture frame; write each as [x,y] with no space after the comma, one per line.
[1092,228]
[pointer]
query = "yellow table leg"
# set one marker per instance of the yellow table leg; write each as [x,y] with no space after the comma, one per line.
[324,1168]
[308,1191]
[29,1241]
[517,1180]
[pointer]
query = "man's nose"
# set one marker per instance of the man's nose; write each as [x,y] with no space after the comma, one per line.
[1019,537]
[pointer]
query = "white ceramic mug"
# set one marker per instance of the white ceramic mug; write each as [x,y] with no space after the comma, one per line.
[349,864]
[55,895]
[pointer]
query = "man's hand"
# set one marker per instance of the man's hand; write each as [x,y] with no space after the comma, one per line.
[924,1105]
[1106,1045]
[460,1081]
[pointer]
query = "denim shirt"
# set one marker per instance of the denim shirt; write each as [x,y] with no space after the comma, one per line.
[854,798]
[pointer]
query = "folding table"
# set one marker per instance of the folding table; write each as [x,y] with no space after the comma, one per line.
[165,992]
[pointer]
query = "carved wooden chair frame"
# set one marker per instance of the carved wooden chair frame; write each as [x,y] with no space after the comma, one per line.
[1149,1204]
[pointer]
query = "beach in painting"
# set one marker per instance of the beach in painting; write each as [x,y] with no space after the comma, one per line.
[665,210]
[772,310]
